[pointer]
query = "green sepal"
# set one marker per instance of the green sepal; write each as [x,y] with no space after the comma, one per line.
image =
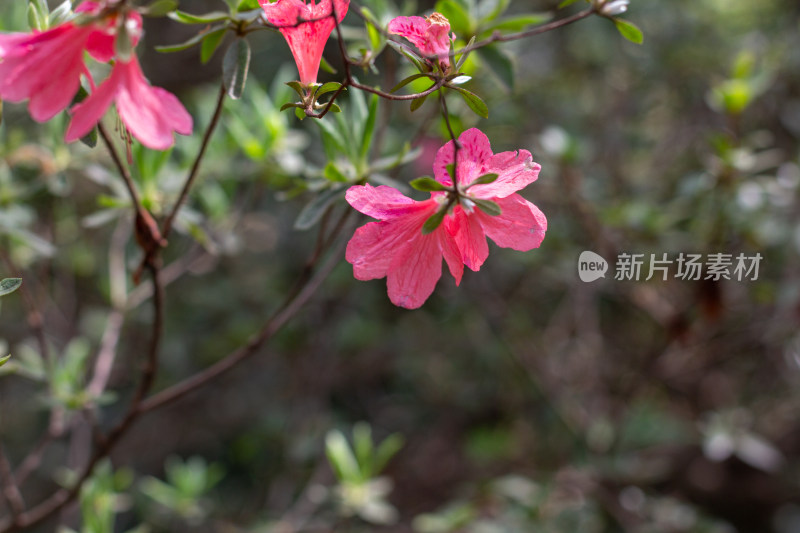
[434,222]
[427,184]
[484,180]
[487,206]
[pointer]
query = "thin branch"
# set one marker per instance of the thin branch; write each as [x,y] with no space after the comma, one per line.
[11,491]
[123,170]
[293,303]
[166,228]
[62,497]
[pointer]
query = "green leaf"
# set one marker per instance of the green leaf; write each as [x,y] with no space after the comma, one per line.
[421,66]
[248,16]
[499,64]
[124,44]
[454,12]
[488,10]
[417,102]
[90,139]
[328,88]
[247,5]
[451,171]
[235,67]
[427,184]
[210,44]
[566,3]
[314,210]
[629,30]
[465,55]
[434,221]
[60,14]
[332,173]
[518,22]
[327,67]
[369,127]
[36,20]
[1,111]
[487,206]
[188,18]
[386,450]
[408,80]
[474,102]
[483,180]
[159,8]
[191,42]
[9,285]
[4,360]
[376,39]
[341,457]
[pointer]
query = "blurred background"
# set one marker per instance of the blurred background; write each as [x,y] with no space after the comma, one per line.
[525,399]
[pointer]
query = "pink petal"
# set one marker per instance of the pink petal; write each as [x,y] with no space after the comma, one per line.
[374,246]
[515,170]
[151,114]
[415,270]
[379,202]
[307,39]
[469,237]
[89,112]
[452,255]
[521,226]
[43,67]
[473,157]
[57,95]
[415,29]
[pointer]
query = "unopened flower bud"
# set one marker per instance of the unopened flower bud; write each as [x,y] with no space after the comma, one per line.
[614,7]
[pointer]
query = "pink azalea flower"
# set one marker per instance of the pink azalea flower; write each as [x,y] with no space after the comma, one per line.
[395,246]
[151,114]
[45,68]
[306,39]
[430,35]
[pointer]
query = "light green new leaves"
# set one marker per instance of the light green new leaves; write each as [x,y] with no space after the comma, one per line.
[629,30]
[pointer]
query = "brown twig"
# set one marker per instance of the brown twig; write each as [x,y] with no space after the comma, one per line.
[166,227]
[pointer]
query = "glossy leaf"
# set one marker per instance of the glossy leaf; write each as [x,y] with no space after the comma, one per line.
[499,63]
[629,30]
[474,102]
[9,285]
[427,184]
[159,8]
[210,44]
[188,18]
[487,206]
[235,67]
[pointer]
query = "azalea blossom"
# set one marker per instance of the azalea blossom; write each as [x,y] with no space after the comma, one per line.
[395,247]
[306,39]
[430,35]
[45,67]
[151,114]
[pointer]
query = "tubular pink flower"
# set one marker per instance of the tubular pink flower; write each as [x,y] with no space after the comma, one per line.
[151,114]
[306,39]
[430,35]
[45,68]
[395,247]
